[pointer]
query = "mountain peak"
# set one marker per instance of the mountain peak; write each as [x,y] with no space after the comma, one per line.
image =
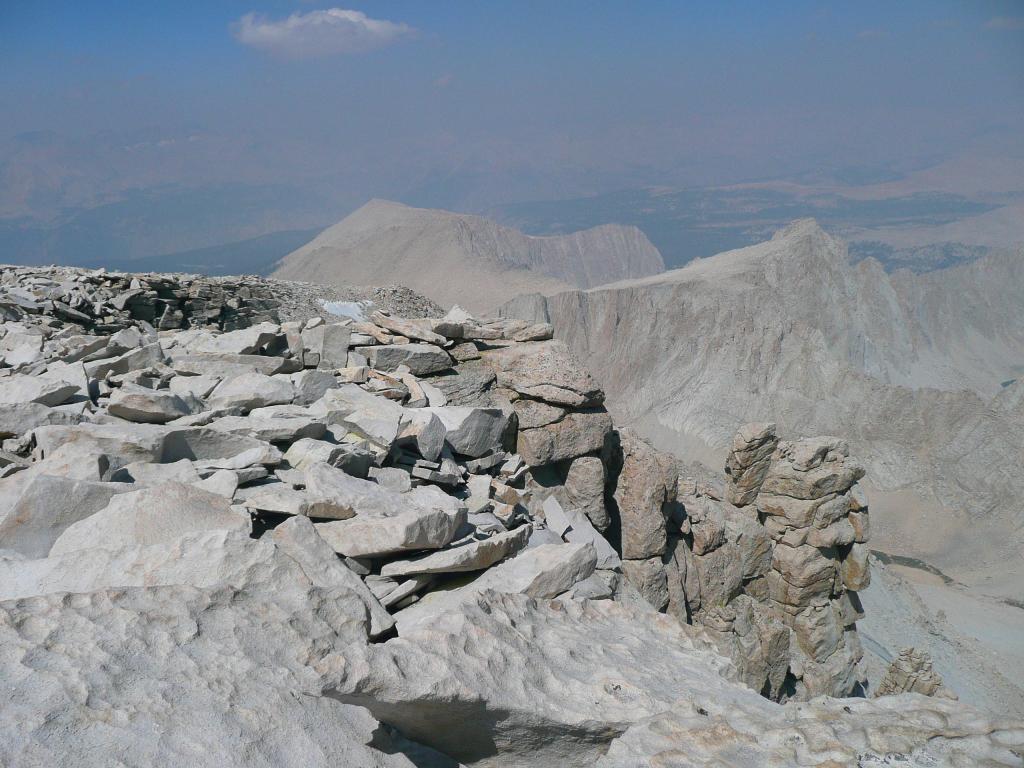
[429,250]
[800,228]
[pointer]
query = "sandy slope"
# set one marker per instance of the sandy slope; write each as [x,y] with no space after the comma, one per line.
[975,642]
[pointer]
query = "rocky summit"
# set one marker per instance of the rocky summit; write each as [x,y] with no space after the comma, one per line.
[230,536]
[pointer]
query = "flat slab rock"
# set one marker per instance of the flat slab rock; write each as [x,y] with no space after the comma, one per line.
[589,674]
[226,680]
[543,571]
[469,556]
[150,516]
[18,389]
[545,370]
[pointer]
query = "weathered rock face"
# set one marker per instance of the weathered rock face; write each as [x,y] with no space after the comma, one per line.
[912,672]
[772,578]
[610,683]
[202,588]
[748,461]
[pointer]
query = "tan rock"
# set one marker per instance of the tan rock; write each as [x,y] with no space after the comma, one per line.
[747,463]
[645,486]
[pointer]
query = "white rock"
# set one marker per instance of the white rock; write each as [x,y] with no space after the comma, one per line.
[337,494]
[150,516]
[252,390]
[147,407]
[144,473]
[283,429]
[543,572]
[373,534]
[245,341]
[47,505]
[223,482]
[179,675]
[18,389]
[197,386]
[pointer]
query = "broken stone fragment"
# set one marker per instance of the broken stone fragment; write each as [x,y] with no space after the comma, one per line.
[336,494]
[197,386]
[21,389]
[252,390]
[542,572]
[747,463]
[472,432]
[649,578]
[645,487]
[811,468]
[421,359]
[271,429]
[310,385]
[537,332]
[147,407]
[245,341]
[912,672]
[577,434]
[151,516]
[370,534]
[36,515]
[545,370]
[411,329]
[855,568]
[143,357]
[573,526]
[471,555]
[424,430]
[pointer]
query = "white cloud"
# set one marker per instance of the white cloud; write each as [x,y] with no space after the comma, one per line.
[328,32]
[1006,22]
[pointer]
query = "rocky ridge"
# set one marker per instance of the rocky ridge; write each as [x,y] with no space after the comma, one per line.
[919,372]
[428,247]
[407,541]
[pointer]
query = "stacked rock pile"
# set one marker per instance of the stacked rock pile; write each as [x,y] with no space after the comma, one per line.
[105,302]
[347,424]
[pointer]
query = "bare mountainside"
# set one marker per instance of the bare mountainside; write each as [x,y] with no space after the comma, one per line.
[429,247]
[915,369]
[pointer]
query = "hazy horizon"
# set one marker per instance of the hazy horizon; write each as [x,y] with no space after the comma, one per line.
[255,118]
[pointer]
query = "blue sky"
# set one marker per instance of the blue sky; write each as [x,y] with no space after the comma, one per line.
[573,95]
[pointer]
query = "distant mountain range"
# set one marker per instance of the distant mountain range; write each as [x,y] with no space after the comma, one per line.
[461,259]
[696,223]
